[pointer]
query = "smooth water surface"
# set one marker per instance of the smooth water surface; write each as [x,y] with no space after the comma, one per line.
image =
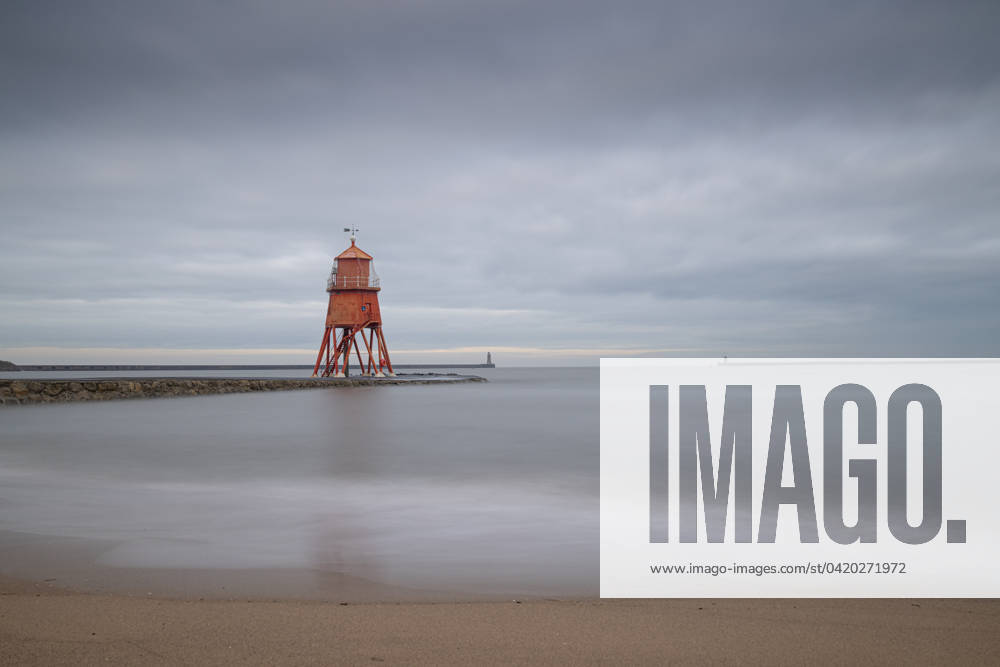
[484,488]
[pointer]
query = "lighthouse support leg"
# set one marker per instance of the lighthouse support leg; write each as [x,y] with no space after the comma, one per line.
[348,339]
[357,350]
[368,346]
[324,347]
[385,351]
[338,349]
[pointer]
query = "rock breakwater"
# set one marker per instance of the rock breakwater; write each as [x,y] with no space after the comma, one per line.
[22,392]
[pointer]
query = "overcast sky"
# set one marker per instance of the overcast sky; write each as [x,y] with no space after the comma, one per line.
[552,181]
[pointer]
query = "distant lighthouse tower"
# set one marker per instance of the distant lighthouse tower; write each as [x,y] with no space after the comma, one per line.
[353,310]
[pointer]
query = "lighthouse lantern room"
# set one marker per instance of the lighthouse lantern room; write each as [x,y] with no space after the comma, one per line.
[353,313]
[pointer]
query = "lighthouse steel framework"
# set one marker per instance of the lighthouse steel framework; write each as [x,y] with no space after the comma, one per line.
[353,310]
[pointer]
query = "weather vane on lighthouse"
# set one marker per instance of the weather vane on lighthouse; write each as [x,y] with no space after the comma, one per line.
[353,287]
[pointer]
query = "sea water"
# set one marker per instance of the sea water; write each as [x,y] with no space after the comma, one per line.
[481,488]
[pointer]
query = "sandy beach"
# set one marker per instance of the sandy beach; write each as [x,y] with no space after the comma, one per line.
[44,625]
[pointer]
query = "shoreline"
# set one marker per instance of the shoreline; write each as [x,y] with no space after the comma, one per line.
[43,624]
[65,390]
[74,564]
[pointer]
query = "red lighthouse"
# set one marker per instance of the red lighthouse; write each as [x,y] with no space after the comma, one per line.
[353,310]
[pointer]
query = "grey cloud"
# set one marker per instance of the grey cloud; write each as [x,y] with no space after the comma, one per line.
[776,177]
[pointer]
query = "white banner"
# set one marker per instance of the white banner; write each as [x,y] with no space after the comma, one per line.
[800,478]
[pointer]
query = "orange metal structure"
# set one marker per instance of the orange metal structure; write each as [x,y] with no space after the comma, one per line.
[353,310]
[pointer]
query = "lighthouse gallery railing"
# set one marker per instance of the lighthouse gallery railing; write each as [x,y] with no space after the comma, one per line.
[352,282]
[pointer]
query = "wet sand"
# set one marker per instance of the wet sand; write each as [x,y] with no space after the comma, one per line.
[71,564]
[40,624]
